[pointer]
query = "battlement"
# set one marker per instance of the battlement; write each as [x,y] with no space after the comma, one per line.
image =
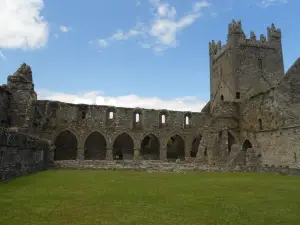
[235,31]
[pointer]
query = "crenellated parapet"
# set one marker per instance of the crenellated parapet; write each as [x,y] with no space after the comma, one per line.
[235,27]
[236,36]
[273,33]
[215,48]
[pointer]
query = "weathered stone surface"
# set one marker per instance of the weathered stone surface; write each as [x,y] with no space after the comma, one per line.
[21,154]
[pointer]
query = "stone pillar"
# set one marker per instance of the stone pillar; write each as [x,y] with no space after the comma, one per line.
[187,154]
[163,154]
[211,145]
[109,154]
[224,144]
[136,155]
[80,153]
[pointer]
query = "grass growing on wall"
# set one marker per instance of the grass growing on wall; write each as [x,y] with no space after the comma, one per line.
[66,197]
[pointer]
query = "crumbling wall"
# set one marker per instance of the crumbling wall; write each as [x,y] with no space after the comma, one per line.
[23,97]
[21,154]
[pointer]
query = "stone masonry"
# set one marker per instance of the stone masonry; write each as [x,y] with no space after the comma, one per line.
[252,118]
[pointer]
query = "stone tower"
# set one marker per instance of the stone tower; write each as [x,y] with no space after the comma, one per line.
[244,67]
[23,97]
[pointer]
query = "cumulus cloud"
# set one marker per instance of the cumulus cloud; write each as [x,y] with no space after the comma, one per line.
[161,32]
[186,103]
[267,3]
[21,24]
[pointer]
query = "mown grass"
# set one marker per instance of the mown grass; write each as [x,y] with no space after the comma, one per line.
[64,197]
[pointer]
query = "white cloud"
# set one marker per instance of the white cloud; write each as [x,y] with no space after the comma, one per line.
[64,29]
[165,10]
[138,3]
[161,32]
[2,56]
[187,103]
[21,24]
[121,35]
[267,3]
[102,43]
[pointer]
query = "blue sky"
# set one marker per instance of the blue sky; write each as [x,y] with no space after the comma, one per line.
[146,53]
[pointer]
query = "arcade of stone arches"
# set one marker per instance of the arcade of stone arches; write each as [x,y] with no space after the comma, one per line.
[95,147]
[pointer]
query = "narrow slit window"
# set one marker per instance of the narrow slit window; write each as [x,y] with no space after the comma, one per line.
[238,95]
[111,115]
[222,98]
[83,115]
[187,120]
[260,124]
[260,66]
[137,118]
[163,119]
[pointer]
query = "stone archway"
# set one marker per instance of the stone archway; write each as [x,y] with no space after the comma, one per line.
[231,141]
[150,148]
[95,147]
[175,148]
[195,145]
[65,146]
[123,147]
[246,145]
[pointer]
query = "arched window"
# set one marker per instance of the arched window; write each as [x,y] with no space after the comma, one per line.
[163,119]
[137,117]
[222,98]
[111,115]
[247,144]
[187,120]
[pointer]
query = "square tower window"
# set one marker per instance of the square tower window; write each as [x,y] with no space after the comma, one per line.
[238,95]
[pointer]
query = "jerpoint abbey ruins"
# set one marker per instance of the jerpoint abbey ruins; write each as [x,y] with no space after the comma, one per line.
[252,121]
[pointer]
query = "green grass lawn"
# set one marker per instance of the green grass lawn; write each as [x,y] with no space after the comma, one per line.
[64,197]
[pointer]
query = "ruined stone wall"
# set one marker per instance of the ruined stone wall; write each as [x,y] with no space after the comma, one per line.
[21,154]
[52,118]
[23,97]
[270,121]
[4,106]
